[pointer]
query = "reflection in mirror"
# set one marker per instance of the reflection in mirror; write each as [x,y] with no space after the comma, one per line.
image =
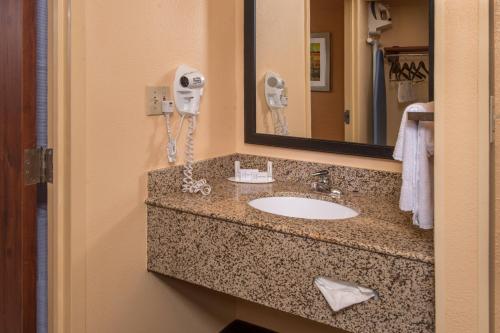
[277,101]
[340,70]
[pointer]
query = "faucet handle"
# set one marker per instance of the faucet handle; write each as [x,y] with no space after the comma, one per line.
[323,183]
[321,173]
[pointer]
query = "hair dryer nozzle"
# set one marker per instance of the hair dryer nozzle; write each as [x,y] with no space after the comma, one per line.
[194,80]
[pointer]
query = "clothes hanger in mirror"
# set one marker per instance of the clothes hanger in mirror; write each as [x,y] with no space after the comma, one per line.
[421,65]
[405,72]
[395,69]
[415,73]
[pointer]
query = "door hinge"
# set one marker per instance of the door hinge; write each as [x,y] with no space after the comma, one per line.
[38,166]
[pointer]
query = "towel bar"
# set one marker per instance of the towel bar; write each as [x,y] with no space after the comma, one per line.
[421,116]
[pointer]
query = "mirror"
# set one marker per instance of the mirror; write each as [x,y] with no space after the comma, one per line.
[335,75]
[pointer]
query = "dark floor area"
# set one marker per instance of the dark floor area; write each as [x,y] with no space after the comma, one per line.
[239,326]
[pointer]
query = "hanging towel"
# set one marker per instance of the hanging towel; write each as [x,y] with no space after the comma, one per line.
[406,92]
[341,295]
[379,101]
[415,148]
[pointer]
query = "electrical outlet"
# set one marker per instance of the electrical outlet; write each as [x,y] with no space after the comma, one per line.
[155,96]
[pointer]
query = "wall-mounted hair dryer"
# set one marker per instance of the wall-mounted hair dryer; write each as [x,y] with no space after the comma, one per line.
[277,100]
[275,91]
[379,18]
[188,90]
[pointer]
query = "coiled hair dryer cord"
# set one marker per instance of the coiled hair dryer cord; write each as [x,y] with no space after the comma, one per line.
[189,185]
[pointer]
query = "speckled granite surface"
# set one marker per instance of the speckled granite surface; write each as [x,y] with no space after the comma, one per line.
[222,243]
[277,270]
[381,227]
[289,171]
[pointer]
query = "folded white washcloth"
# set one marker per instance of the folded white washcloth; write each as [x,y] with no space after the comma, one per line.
[415,148]
[341,295]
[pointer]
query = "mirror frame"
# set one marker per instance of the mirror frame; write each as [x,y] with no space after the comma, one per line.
[250,101]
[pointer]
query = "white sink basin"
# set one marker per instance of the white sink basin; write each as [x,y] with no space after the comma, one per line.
[304,208]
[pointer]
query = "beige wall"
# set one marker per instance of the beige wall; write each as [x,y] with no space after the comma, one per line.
[461,166]
[280,321]
[327,107]
[497,164]
[361,129]
[117,50]
[282,48]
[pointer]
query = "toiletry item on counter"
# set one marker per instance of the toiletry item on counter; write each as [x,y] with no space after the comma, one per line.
[249,174]
[253,189]
[270,169]
[415,148]
[341,295]
[237,170]
[253,176]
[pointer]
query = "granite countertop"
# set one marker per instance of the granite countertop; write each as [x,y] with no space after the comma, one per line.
[381,227]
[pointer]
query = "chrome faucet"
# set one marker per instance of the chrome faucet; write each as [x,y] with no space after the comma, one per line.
[324,185]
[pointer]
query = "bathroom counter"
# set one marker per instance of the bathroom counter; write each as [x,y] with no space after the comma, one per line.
[221,243]
[381,227]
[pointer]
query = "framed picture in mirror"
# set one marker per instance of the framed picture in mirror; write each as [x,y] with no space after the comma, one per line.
[320,61]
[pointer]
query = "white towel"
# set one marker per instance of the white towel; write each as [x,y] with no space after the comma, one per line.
[415,148]
[341,295]
[406,92]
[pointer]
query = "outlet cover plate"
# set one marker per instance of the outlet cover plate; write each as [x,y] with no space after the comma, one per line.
[154,97]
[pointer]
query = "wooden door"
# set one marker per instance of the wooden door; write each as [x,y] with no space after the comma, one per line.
[17,201]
